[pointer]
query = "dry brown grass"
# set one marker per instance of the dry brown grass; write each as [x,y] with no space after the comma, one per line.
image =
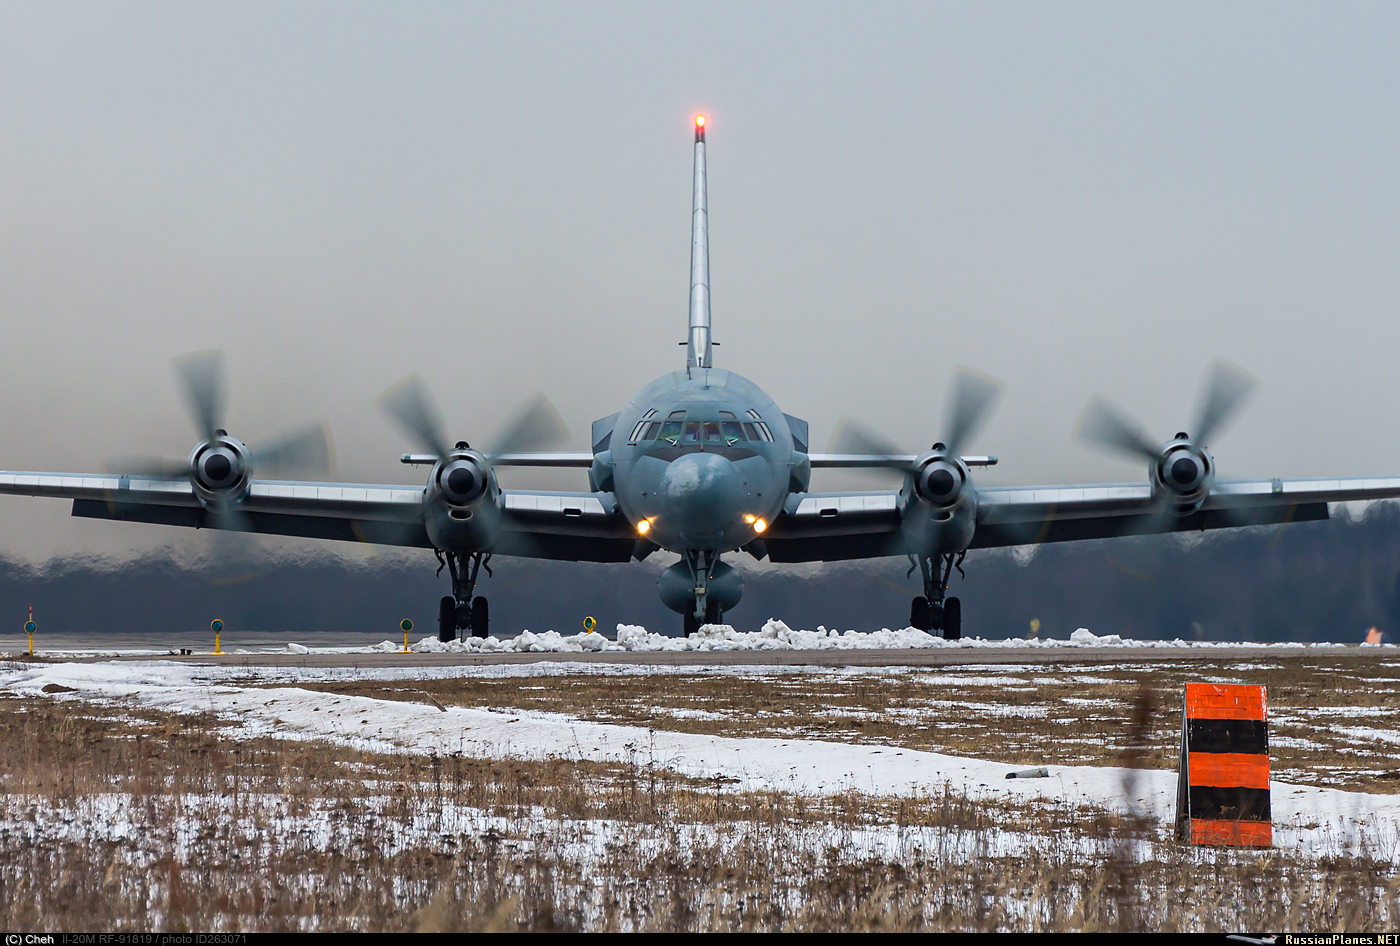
[1063,714]
[268,834]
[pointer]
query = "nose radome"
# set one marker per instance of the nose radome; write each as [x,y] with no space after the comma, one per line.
[703,492]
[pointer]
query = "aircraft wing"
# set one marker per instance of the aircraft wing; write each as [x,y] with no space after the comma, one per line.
[843,526]
[569,526]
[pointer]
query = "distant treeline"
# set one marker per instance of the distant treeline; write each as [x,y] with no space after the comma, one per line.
[1312,581]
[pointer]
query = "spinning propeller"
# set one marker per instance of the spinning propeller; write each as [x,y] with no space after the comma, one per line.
[462,476]
[220,467]
[940,473]
[1181,470]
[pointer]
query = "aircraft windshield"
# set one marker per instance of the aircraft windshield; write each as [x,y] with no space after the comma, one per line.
[712,432]
[692,431]
[732,431]
[671,430]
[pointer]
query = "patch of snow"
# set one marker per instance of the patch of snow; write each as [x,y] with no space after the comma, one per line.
[1305,817]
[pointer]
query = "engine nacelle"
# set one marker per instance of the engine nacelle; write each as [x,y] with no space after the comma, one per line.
[938,512]
[939,479]
[220,468]
[461,511]
[461,479]
[1183,476]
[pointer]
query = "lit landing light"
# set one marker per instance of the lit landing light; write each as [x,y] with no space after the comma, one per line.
[758,524]
[643,526]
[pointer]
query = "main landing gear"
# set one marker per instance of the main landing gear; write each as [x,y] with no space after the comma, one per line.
[932,611]
[460,610]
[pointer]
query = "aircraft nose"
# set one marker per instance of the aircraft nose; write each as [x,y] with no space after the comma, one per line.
[703,493]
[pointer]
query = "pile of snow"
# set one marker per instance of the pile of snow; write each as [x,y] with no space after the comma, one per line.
[774,635]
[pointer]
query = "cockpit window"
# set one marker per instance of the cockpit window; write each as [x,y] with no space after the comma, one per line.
[732,431]
[671,430]
[712,432]
[652,429]
[749,429]
[676,415]
[692,431]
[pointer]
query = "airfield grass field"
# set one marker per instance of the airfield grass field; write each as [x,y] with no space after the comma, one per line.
[1334,720]
[118,816]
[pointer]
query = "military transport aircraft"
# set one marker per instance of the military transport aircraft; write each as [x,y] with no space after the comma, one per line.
[701,463]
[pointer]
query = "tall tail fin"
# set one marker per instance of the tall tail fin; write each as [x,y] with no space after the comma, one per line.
[698,351]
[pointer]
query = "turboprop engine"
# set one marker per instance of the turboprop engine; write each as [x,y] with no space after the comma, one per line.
[1183,476]
[463,511]
[940,478]
[219,469]
[1181,471]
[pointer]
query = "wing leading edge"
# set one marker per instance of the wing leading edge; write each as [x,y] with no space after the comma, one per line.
[535,524]
[847,526]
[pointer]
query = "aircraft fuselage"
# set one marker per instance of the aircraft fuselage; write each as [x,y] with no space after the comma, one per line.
[705,459]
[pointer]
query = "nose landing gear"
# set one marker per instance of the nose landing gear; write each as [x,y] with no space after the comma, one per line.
[932,611]
[693,620]
[703,609]
[460,610]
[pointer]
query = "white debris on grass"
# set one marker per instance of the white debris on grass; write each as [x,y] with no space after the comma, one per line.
[1313,819]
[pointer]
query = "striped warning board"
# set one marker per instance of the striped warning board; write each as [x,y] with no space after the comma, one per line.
[1222,794]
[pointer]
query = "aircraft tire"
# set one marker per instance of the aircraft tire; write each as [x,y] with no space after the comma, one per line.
[713,615]
[691,622]
[481,617]
[447,619]
[952,619]
[918,614]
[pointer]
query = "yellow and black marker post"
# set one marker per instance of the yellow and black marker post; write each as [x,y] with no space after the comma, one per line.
[29,628]
[216,626]
[406,625]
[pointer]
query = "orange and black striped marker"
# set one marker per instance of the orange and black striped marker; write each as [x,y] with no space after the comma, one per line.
[1222,794]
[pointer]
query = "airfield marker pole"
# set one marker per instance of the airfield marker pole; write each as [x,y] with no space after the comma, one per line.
[589,624]
[1223,776]
[29,628]
[407,626]
[216,626]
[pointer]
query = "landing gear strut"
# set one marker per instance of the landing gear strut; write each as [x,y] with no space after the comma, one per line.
[460,609]
[932,611]
[702,609]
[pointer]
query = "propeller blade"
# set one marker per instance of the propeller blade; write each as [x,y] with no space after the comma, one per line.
[409,403]
[202,375]
[1100,424]
[536,425]
[153,468]
[853,437]
[307,450]
[1227,389]
[974,394]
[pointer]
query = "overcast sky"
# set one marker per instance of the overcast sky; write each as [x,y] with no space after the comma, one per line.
[1075,198]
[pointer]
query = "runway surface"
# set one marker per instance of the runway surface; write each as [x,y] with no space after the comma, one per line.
[942,657]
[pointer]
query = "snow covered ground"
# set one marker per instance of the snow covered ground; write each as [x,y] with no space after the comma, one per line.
[1317,821]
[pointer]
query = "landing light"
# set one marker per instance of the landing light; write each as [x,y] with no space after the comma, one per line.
[759,525]
[750,519]
[643,526]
